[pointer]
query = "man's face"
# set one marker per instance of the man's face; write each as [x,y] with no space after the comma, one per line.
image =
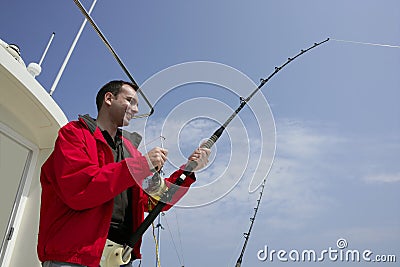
[124,106]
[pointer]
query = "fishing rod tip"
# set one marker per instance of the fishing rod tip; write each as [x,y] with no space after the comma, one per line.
[151,111]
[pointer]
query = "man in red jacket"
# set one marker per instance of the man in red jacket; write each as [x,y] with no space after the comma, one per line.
[91,183]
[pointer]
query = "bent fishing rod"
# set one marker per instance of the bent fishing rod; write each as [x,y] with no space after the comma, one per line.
[167,196]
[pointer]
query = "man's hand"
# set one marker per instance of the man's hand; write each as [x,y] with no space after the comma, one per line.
[200,155]
[156,158]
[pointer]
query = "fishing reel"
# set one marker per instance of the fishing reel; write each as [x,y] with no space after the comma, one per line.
[155,186]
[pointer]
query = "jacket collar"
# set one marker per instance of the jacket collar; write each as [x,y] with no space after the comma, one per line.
[90,122]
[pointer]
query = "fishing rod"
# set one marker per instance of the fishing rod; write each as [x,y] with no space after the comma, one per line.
[167,196]
[115,55]
[252,219]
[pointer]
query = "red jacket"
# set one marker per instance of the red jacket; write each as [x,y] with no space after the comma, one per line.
[79,182]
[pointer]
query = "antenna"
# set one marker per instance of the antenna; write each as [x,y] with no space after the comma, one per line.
[35,69]
[47,48]
[60,72]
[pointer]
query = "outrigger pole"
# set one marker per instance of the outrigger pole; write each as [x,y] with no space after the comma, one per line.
[124,68]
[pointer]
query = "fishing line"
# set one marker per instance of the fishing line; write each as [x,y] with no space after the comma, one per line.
[173,243]
[180,238]
[364,43]
[161,138]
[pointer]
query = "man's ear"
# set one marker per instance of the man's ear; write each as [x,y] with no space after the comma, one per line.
[108,97]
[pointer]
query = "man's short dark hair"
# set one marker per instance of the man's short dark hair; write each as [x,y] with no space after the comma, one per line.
[114,87]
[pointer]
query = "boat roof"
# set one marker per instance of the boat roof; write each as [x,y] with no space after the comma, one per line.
[25,106]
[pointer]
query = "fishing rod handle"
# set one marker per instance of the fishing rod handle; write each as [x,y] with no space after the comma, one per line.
[165,198]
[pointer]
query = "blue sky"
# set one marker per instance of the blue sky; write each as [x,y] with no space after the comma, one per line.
[336,170]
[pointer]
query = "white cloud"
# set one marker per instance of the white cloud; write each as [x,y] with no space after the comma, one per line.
[295,186]
[301,140]
[297,195]
[383,178]
[296,182]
